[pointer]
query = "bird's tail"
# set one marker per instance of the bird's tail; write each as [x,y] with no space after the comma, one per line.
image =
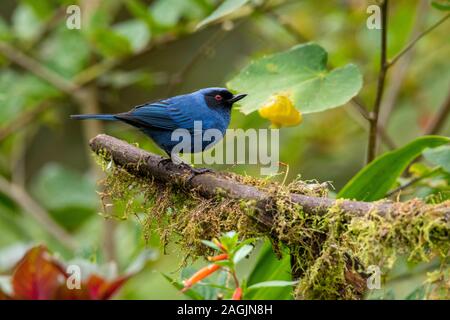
[109,117]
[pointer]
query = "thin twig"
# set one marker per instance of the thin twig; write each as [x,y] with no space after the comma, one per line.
[385,137]
[235,278]
[411,182]
[373,130]
[50,25]
[177,78]
[23,120]
[287,26]
[93,72]
[87,100]
[88,103]
[439,119]
[410,45]
[23,199]
[37,68]
[401,69]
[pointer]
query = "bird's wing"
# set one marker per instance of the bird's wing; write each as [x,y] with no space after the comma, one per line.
[161,115]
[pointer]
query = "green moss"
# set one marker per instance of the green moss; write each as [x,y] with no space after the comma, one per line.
[329,252]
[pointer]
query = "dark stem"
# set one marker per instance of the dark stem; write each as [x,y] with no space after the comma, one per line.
[359,105]
[236,280]
[356,101]
[373,130]
[401,70]
[177,78]
[439,119]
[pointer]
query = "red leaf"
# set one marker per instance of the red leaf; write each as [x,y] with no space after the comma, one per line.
[100,289]
[95,288]
[37,276]
[64,293]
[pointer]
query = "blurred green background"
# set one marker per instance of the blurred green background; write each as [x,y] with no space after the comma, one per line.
[130,52]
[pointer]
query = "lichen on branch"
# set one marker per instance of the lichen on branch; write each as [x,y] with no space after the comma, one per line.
[331,241]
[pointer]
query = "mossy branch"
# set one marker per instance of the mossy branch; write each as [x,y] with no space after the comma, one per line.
[330,241]
[147,165]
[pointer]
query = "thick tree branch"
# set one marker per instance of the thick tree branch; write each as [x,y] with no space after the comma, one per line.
[144,164]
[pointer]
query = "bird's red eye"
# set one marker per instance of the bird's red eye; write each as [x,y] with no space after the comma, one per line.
[218,97]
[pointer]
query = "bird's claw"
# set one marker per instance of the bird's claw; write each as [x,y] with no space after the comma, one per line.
[164,162]
[200,170]
[196,171]
[193,171]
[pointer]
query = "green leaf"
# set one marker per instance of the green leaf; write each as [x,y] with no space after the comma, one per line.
[167,13]
[242,253]
[417,294]
[110,43]
[178,285]
[23,91]
[224,263]
[136,32]
[377,178]
[140,11]
[210,244]
[441,4]
[26,24]
[138,264]
[269,268]
[439,156]
[42,8]
[69,197]
[65,51]
[301,74]
[271,284]
[15,228]
[227,7]
[57,187]
[229,240]
[5,32]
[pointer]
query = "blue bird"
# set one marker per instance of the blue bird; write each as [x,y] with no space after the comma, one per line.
[211,106]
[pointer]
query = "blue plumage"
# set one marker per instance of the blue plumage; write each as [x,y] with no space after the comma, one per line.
[211,106]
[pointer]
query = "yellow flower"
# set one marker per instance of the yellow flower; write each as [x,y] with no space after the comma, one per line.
[281,112]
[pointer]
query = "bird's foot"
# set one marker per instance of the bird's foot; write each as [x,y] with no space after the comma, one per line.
[192,171]
[201,170]
[164,162]
[195,171]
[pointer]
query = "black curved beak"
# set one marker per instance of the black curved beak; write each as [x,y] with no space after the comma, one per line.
[237,97]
